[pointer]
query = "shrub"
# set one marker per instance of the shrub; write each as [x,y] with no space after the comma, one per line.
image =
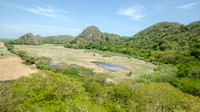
[163,73]
[45,91]
[44,60]
[164,97]
[22,54]
[43,63]
[188,85]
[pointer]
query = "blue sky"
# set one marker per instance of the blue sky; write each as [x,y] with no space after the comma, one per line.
[61,17]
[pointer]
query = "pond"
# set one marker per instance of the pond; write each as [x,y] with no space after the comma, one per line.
[110,67]
[3,82]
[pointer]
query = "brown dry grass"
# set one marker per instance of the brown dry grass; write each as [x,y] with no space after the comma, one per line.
[12,67]
[1,45]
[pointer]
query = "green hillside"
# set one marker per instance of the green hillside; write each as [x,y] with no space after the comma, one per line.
[165,36]
[60,39]
[92,37]
[30,39]
[165,42]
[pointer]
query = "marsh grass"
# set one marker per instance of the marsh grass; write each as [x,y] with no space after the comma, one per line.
[85,58]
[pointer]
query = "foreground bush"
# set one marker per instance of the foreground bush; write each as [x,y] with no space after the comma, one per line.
[45,91]
[162,97]
[163,73]
[188,85]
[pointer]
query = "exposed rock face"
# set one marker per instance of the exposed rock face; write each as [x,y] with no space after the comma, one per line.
[28,38]
[31,39]
[92,36]
[91,33]
[28,35]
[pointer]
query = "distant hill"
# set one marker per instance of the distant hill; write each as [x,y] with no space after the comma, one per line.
[91,37]
[153,37]
[164,35]
[91,33]
[161,36]
[60,39]
[30,39]
[5,39]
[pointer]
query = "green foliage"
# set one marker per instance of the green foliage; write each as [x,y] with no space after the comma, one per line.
[188,85]
[45,91]
[9,47]
[105,53]
[27,39]
[44,60]
[73,71]
[49,91]
[92,38]
[129,74]
[163,73]
[79,89]
[5,40]
[22,54]
[165,42]
[195,71]
[30,39]
[190,69]
[164,97]
[60,39]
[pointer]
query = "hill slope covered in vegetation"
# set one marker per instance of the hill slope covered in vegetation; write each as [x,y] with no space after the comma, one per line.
[164,42]
[30,39]
[92,37]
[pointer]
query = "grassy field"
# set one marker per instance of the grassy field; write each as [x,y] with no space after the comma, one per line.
[11,66]
[4,53]
[83,58]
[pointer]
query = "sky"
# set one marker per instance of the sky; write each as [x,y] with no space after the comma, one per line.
[71,17]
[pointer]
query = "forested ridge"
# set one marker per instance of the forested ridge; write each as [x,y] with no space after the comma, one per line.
[30,39]
[173,86]
[165,42]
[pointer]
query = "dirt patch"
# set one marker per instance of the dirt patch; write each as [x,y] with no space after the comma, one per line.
[1,45]
[12,68]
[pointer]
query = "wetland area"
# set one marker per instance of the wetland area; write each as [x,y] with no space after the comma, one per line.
[115,66]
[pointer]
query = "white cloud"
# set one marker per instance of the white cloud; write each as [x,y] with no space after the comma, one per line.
[46,11]
[188,6]
[135,12]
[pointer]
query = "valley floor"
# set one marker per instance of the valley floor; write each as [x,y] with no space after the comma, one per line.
[82,58]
